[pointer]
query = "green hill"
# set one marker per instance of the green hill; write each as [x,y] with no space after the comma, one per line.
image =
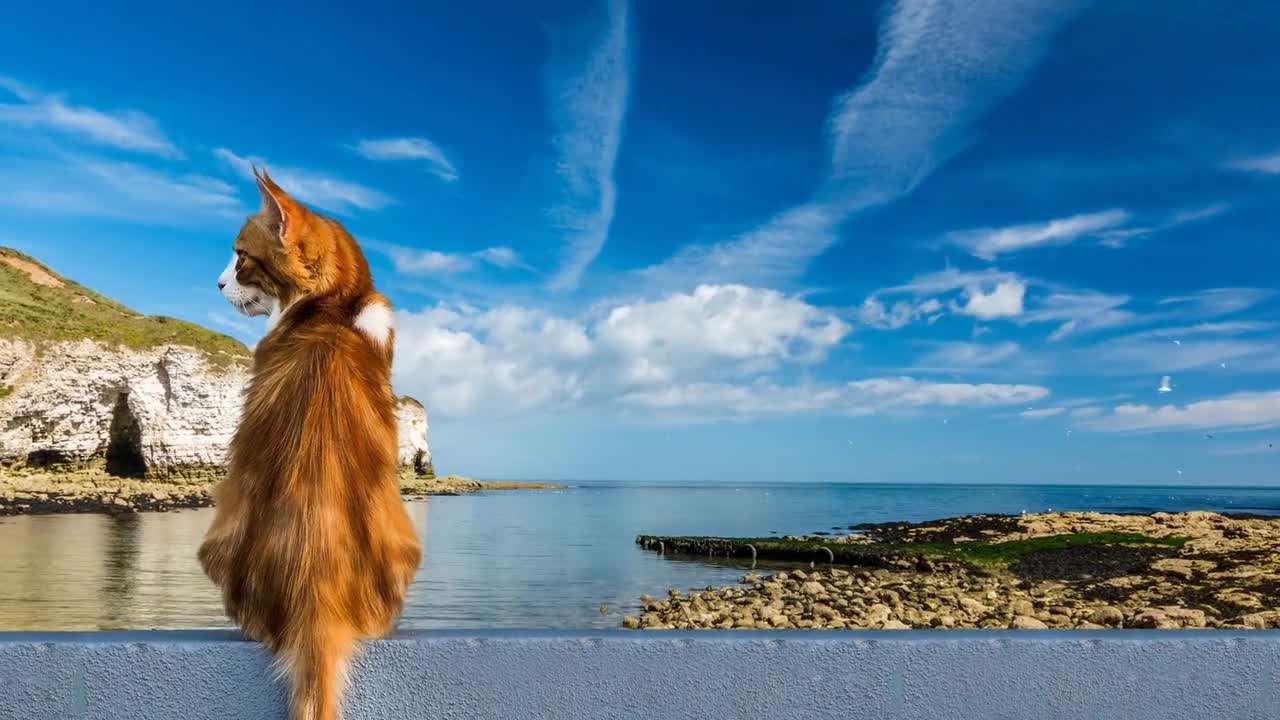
[39,305]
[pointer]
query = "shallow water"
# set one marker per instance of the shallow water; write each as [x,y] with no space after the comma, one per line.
[531,559]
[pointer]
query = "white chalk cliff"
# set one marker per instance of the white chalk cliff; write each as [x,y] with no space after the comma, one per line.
[162,410]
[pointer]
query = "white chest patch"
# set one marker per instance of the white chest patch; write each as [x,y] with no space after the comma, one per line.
[376,322]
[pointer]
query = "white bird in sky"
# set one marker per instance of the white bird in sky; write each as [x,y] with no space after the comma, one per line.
[1165,385]
[1178,343]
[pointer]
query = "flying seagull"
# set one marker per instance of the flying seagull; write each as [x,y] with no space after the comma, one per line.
[1165,385]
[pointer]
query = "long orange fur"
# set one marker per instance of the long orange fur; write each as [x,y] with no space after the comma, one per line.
[311,545]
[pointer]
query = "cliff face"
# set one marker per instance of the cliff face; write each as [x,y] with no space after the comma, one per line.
[86,381]
[415,448]
[157,412]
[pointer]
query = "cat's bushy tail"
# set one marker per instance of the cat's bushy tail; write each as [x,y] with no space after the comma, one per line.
[313,660]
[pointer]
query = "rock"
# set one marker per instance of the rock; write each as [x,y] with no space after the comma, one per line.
[894,625]
[631,622]
[1256,621]
[779,621]
[824,611]
[1023,622]
[745,623]
[812,588]
[414,449]
[973,606]
[1152,618]
[1022,607]
[877,614]
[1186,617]
[1107,616]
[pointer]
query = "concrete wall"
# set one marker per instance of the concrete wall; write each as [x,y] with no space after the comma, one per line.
[1109,675]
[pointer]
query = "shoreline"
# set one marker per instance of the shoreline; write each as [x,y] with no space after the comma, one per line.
[1085,570]
[95,492]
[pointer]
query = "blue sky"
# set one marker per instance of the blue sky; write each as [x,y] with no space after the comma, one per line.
[911,241]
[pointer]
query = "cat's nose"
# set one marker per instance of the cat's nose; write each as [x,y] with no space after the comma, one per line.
[222,285]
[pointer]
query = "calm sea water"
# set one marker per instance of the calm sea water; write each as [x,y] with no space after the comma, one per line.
[527,559]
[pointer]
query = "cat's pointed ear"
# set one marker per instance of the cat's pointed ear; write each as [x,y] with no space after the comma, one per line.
[281,211]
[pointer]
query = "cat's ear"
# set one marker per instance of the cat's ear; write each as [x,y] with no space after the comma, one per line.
[281,211]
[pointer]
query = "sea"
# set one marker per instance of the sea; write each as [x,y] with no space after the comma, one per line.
[563,559]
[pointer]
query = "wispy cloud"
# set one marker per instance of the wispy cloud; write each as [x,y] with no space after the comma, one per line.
[1232,327]
[1240,411]
[881,395]
[1080,311]
[86,186]
[423,261]
[1217,301]
[588,82]
[940,66]
[1041,413]
[1120,237]
[1264,164]
[409,148]
[323,191]
[959,356]
[988,243]
[123,129]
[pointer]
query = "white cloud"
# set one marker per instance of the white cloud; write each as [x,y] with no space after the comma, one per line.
[720,323]
[988,243]
[874,313]
[720,351]
[472,361]
[588,96]
[1245,410]
[123,129]
[1265,164]
[409,148]
[416,261]
[940,66]
[323,191]
[1005,300]
[881,393]
[1042,413]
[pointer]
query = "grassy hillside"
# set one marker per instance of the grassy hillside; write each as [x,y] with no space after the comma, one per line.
[40,305]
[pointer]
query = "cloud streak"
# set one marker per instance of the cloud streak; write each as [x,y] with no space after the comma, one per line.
[85,186]
[989,243]
[122,129]
[409,148]
[421,261]
[588,99]
[940,66]
[1240,411]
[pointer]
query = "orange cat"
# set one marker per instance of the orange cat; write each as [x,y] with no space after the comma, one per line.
[311,545]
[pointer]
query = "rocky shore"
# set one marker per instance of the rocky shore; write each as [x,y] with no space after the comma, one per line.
[98,492]
[1036,571]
